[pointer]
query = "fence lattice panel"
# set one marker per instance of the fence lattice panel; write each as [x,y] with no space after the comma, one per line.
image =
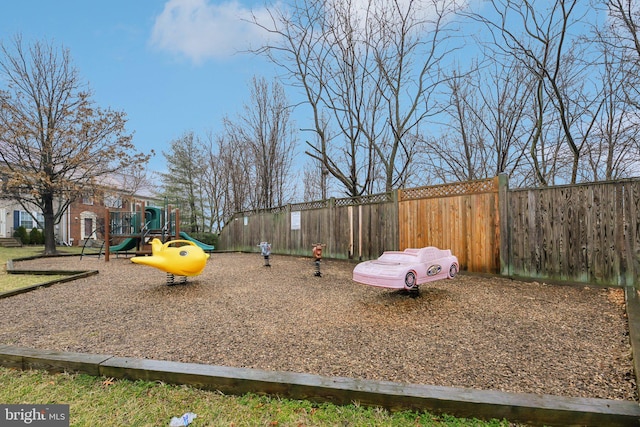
[447,190]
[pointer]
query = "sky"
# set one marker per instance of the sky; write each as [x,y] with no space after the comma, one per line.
[172,66]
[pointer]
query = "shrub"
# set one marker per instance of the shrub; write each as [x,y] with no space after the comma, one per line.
[36,237]
[21,233]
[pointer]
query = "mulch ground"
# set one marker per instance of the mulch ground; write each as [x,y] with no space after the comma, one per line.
[474,332]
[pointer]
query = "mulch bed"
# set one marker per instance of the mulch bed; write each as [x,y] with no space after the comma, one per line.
[474,332]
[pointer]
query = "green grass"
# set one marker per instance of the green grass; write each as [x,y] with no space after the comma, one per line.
[99,401]
[9,282]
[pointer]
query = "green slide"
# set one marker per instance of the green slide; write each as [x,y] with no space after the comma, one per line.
[126,245]
[203,246]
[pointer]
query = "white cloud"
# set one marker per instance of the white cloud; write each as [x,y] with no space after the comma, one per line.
[200,30]
[365,13]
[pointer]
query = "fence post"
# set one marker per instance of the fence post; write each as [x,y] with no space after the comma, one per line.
[331,241]
[504,227]
[107,232]
[289,239]
[396,219]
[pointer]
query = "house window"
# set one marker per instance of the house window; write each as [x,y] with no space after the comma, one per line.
[112,201]
[87,200]
[88,228]
[27,221]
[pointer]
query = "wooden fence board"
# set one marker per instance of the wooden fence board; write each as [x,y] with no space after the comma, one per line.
[580,233]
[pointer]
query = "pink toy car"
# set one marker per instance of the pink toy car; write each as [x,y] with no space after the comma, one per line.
[407,269]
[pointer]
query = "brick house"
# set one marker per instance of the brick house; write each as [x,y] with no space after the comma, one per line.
[84,218]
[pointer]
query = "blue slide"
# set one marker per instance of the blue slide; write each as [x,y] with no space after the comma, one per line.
[203,246]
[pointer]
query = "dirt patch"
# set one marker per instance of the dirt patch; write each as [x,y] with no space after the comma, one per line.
[474,332]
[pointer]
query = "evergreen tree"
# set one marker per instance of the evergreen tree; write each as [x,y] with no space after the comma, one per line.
[183,181]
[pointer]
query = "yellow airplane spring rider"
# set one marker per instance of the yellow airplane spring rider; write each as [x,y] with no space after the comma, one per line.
[184,261]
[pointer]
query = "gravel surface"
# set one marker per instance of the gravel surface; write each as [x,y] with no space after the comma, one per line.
[474,332]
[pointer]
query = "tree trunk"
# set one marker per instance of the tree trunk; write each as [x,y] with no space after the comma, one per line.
[49,226]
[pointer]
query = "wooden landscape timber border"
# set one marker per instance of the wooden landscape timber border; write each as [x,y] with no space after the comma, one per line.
[483,404]
[71,275]
[583,233]
[534,409]
[632,305]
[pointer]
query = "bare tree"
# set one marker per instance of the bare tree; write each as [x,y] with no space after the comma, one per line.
[368,74]
[502,112]
[542,40]
[614,150]
[54,142]
[626,15]
[413,40]
[622,40]
[214,179]
[235,168]
[315,183]
[461,152]
[351,101]
[487,122]
[305,49]
[264,132]
[134,178]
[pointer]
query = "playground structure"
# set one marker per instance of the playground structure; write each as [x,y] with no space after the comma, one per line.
[137,229]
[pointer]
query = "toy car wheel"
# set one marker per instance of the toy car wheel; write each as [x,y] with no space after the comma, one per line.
[410,280]
[453,270]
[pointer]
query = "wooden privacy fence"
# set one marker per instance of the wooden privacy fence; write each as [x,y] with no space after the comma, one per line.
[360,228]
[460,216]
[463,217]
[582,233]
[587,233]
